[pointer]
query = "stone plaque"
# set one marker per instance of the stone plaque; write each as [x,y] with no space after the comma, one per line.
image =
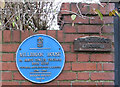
[92,43]
[40,58]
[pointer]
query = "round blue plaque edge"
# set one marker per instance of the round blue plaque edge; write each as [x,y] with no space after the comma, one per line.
[57,43]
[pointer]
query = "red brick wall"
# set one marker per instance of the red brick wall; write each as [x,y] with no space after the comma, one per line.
[81,68]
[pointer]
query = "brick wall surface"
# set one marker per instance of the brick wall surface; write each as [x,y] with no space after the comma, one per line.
[81,68]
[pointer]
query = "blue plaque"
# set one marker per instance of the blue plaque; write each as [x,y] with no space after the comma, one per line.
[40,58]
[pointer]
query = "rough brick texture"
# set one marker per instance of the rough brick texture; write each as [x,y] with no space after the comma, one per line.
[81,68]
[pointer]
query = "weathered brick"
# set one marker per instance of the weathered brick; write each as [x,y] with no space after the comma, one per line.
[24,35]
[89,29]
[74,8]
[80,20]
[70,57]
[42,32]
[110,7]
[108,83]
[67,19]
[83,66]
[67,76]
[84,9]
[9,66]
[83,76]
[102,57]
[103,9]
[64,84]
[108,20]
[108,29]
[84,83]
[65,6]
[99,67]
[16,36]
[6,75]
[91,8]
[9,47]
[96,20]
[52,33]
[6,36]
[72,37]
[108,66]
[8,57]
[26,83]
[60,36]
[83,57]
[67,66]
[10,83]
[0,36]
[69,29]
[66,47]
[102,76]
[17,76]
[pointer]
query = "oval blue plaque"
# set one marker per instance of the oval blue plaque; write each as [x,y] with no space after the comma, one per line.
[40,58]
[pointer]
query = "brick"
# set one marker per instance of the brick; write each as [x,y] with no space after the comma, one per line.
[0,47]
[66,47]
[52,33]
[108,83]
[60,36]
[96,20]
[61,84]
[9,66]
[6,75]
[108,66]
[0,36]
[70,57]
[67,66]
[42,32]
[17,76]
[74,8]
[83,66]
[67,19]
[103,9]
[16,36]
[65,6]
[26,83]
[9,47]
[102,76]
[67,76]
[83,76]
[69,29]
[110,7]
[99,67]
[89,29]
[53,83]
[108,20]
[84,9]
[100,84]
[6,36]
[110,37]
[91,8]
[84,83]
[102,57]
[83,57]
[8,57]
[24,35]
[108,29]
[72,37]
[10,83]
[32,32]
[80,20]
